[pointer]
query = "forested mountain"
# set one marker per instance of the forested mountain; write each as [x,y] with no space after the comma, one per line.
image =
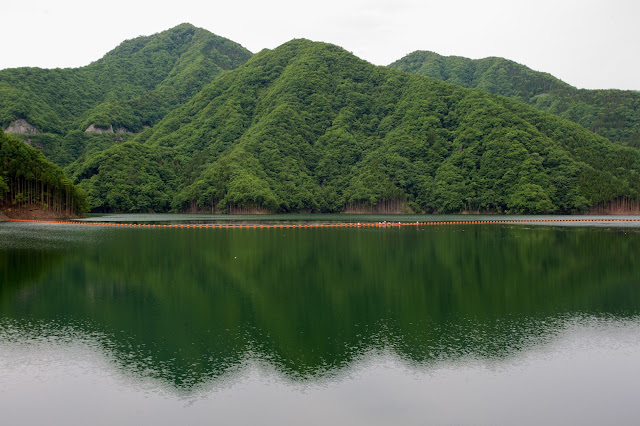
[28,179]
[184,120]
[310,127]
[131,87]
[614,114]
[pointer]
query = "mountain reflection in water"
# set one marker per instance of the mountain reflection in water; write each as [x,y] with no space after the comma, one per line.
[190,306]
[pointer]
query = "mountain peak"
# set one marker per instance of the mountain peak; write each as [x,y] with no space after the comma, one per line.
[609,113]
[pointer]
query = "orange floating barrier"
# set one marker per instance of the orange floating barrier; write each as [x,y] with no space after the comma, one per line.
[326,225]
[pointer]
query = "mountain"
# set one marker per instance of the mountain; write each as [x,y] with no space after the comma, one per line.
[310,127]
[66,112]
[614,114]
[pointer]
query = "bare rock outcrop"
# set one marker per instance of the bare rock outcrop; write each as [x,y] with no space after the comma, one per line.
[94,129]
[21,126]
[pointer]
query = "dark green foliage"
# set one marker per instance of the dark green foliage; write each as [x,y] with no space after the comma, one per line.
[133,86]
[28,179]
[614,114]
[309,127]
[129,177]
[63,150]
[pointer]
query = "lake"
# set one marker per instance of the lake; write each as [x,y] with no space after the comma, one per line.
[440,324]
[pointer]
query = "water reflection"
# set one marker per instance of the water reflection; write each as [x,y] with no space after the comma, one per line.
[188,307]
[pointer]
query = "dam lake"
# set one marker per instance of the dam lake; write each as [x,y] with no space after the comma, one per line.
[484,323]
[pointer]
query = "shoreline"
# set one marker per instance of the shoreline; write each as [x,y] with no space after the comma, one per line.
[375,224]
[30,213]
[36,213]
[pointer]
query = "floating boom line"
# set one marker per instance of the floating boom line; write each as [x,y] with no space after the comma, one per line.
[332,225]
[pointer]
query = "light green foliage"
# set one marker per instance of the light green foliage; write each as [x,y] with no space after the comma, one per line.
[309,127]
[614,114]
[133,86]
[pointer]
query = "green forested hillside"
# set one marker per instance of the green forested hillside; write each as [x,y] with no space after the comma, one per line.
[310,127]
[131,87]
[614,114]
[128,177]
[28,179]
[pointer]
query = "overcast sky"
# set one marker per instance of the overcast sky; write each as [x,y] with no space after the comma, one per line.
[587,43]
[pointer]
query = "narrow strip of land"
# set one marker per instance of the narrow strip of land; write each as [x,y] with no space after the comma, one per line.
[332,225]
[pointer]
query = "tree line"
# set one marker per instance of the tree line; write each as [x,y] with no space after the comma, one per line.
[28,179]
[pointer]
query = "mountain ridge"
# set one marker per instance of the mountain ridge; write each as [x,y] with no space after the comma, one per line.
[310,127]
[612,113]
[132,86]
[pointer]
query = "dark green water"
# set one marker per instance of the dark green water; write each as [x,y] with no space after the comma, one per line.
[312,319]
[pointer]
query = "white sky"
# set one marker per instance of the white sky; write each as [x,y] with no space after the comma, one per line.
[587,43]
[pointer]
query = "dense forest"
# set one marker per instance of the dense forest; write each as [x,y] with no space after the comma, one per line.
[130,88]
[310,127]
[614,114]
[28,179]
[187,121]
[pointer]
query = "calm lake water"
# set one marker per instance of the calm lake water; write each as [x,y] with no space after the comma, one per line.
[466,324]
